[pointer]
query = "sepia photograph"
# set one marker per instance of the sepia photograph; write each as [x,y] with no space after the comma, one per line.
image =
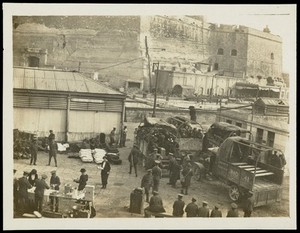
[149,116]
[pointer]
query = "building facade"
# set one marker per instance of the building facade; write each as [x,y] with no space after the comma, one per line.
[121,50]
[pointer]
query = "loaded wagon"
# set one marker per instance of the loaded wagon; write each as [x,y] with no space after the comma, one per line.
[246,166]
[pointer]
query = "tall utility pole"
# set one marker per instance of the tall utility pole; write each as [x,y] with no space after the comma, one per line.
[148,58]
[156,82]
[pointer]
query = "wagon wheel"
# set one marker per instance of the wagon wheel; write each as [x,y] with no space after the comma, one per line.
[234,193]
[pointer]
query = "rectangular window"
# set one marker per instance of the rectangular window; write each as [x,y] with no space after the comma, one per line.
[238,124]
[259,135]
[229,121]
[270,139]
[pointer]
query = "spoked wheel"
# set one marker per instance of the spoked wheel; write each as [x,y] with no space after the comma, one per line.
[234,193]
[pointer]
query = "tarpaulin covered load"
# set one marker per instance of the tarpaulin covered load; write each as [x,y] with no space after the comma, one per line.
[86,155]
[98,155]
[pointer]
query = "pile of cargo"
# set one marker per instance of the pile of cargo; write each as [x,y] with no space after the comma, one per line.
[22,141]
[86,155]
[98,155]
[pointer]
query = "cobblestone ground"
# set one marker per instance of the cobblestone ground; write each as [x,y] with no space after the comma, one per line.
[114,201]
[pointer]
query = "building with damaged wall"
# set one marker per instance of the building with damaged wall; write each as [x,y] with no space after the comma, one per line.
[120,50]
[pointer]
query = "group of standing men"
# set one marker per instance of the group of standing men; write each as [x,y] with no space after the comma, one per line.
[28,181]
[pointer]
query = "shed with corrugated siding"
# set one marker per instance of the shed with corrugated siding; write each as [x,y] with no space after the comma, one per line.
[73,106]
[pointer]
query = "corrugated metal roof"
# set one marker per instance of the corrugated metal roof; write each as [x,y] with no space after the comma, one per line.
[274,101]
[55,80]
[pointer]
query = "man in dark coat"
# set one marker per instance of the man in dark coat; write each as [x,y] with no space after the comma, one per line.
[178,207]
[24,185]
[172,160]
[215,213]
[112,136]
[105,170]
[248,205]
[157,173]
[175,173]
[54,184]
[82,179]
[39,191]
[155,205]
[187,174]
[52,152]
[233,212]
[133,159]
[33,150]
[51,136]
[192,209]
[147,183]
[203,211]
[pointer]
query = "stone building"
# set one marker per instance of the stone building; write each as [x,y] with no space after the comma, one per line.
[121,50]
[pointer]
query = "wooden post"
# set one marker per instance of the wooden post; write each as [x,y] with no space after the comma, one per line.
[149,69]
[67,118]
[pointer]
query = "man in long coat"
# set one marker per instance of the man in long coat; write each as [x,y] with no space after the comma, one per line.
[105,170]
[39,191]
[157,173]
[155,205]
[24,185]
[178,207]
[233,212]
[54,184]
[133,159]
[175,173]
[203,211]
[248,205]
[192,209]
[187,174]
[147,183]
[215,213]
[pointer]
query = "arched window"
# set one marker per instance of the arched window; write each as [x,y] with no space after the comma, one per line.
[220,51]
[234,52]
[272,56]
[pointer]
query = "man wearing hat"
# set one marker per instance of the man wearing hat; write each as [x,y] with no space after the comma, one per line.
[150,161]
[248,205]
[215,213]
[52,148]
[178,206]
[39,191]
[192,209]
[156,173]
[155,205]
[33,150]
[82,179]
[24,185]
[172,160]
[233,212]
[105,170]
[187,174]
[54,184]
[203,211]
[175,172]
[147,183]
[133,159]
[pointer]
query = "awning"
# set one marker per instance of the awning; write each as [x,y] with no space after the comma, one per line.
[241,86]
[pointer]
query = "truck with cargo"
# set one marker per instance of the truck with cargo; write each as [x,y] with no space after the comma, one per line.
[245,166]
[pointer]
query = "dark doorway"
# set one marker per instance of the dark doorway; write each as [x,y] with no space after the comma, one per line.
[270,139]
[33,61]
